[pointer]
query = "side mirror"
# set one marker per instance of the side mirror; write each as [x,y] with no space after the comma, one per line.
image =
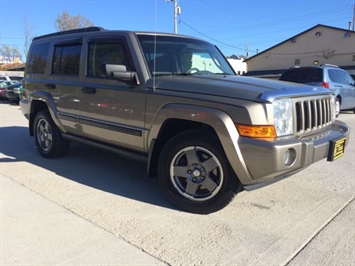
[120,72]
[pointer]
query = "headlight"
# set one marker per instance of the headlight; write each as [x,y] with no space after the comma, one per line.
[283,117]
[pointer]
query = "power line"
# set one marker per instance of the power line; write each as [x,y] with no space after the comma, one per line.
[309,15]
[279,21]
[226,44]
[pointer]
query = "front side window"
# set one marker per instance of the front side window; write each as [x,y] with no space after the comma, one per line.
[38,59]
[169,55]
[338,76]
[106,57]
[350,79]
[66,59]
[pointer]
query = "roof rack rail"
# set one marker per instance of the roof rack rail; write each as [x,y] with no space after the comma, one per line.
[330,65]
[88,29]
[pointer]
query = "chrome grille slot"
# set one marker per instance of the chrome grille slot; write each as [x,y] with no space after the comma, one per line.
[312,114]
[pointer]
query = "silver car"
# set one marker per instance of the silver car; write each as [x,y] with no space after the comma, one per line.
[329,76]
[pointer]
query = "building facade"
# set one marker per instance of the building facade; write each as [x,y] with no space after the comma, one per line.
[318,45]
[238,64]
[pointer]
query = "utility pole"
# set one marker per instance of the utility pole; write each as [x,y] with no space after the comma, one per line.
[177,11]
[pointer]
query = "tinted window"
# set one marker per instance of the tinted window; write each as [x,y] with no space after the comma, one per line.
[338,76]
[38,59]
[106,56]
[303,75]
[66,59]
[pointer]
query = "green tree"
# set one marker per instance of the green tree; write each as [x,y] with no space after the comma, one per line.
[65,21]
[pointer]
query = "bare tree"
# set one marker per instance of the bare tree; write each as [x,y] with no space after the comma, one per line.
[5,52]
[9,53]
[28,30]
[65,21]
[15,53]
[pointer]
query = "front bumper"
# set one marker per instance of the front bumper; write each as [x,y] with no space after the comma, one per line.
[25,107]
[12,96]
[268,160]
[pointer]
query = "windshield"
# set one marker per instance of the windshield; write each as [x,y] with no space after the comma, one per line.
[169,55]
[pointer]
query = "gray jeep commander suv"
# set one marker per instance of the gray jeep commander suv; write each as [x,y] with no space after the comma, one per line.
[175,102]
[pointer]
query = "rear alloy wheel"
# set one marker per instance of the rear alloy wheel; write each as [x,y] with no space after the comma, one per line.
[48,138]
[195,173]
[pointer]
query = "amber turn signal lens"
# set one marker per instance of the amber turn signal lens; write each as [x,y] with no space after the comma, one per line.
[257,131]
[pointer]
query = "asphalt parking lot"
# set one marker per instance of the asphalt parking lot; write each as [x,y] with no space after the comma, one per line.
[94,207]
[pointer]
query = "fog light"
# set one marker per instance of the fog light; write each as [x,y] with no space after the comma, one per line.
[289,157]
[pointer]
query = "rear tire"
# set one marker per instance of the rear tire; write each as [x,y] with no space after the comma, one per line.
[48,138]
[195,173]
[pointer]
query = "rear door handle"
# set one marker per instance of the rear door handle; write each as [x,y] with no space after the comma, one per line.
[88,90]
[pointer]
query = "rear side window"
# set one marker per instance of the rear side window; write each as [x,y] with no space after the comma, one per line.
[66,59]
[38,59]
[303,75]
[338,76]
[106,56]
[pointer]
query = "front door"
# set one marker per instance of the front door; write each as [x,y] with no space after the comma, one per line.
[111,110]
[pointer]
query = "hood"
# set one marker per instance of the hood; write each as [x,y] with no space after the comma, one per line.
[246,88]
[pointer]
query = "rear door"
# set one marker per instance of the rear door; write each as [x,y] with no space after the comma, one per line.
[52,72]
[64,82]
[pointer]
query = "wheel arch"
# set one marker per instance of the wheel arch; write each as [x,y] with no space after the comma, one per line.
[40,101]
[169,129]
[175,118]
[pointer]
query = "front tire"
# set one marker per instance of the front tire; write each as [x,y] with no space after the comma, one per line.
[337,107]
[48,138]
[195,173]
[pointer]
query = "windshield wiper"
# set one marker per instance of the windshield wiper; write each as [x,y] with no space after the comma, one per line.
[183,74]
[223,74]
[163,73]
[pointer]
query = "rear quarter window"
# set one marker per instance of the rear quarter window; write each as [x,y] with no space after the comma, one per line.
[38,59]
[303,75]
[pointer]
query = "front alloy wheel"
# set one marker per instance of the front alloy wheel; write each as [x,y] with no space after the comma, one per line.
[337,107]
[195,173]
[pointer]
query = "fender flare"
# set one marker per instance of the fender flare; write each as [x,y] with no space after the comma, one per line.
[218,120]
[50,103]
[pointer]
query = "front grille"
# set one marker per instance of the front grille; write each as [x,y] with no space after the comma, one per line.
[312,114]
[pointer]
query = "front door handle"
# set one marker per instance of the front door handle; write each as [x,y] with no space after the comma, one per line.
[88,90]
